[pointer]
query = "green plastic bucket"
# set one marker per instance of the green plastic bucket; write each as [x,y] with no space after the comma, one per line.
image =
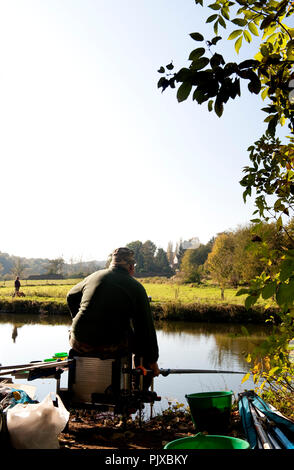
[211,411]
[203,441]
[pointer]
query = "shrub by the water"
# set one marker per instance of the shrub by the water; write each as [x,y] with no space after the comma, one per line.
[214,313]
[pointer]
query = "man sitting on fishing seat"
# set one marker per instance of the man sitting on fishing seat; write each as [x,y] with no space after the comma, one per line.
[111,314]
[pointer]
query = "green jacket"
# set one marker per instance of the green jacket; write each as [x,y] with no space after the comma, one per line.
[110,305]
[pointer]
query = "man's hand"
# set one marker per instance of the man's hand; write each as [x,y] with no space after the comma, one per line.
[155,369]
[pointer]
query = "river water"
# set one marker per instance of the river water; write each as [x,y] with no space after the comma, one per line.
[26,338]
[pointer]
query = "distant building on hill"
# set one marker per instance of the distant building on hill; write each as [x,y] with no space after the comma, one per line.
[191,244]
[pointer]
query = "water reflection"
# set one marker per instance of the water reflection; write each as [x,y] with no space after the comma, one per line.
[225,344]
[27,319]
[14,332]
[213,328]
[20,320]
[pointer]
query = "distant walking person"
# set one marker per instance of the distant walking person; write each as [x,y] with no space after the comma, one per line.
[16,286]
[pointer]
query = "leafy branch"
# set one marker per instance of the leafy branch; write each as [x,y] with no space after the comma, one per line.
[269,72]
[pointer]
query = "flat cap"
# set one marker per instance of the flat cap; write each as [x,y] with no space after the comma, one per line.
[122,256]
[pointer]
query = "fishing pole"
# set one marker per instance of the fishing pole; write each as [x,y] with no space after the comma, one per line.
[163,372]
[140,370]
[20,366]
[259,429]
[166,372]
[42,365]
[56,357]
[269,428]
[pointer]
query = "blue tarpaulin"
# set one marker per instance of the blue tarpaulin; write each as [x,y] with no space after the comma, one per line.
[281,427]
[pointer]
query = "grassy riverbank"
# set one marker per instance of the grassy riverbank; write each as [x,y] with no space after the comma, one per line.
[169,301]
[159,289]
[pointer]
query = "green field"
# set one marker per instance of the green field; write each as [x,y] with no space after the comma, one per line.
[42,291]
[57,290]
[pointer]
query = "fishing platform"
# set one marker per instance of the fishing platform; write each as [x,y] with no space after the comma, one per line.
[103,384]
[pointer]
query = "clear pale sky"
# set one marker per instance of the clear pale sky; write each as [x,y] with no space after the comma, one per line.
[93,155]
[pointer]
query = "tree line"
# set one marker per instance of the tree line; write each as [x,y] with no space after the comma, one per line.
[236,257]
[44,268]
[233,258]
[229,259]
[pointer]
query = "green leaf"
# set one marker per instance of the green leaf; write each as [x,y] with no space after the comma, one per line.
[197,36]
[246,193]
[200,63]
[253,29]
[215,40]
[290,50]
[215,27]
[267,21]
[264,93]
[279,223]
[162,83]
[199,96]
[161,70]
[210,105]
[248,64]
[184,91]
[170,66]
[285,294]
[242,292]
[246,377]
[287,269]
[211,18]
[214,6]
[183,75]
[269,290]
[225,13]
[222,22]
[272,371]
[197,53]
[235,34]
[255,85]
[216,60]
[273,37]
[238,44]
[251,300]
[247,36]
[264,51]
[218,108]
[271,129]
[239,22]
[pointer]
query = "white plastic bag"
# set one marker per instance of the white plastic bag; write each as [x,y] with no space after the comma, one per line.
[37,425]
